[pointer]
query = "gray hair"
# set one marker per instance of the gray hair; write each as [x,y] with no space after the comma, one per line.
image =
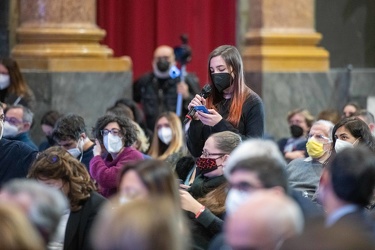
[47,204]
[328,124]
[253,148]
[28,115]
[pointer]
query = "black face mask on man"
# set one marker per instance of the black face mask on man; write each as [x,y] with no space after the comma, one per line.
[221,80]
[162,65]
[296,131]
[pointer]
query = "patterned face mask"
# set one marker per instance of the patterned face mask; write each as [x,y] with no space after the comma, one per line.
[206,165]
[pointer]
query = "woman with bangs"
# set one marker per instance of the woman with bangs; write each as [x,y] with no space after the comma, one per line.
[232,104]
[56,168]
[168,142]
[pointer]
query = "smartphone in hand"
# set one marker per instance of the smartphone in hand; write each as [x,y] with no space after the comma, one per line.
[202,108]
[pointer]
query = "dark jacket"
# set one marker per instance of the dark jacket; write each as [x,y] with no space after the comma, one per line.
[78,227]
[15,159]
[25,138]
[160,95]
[251,124]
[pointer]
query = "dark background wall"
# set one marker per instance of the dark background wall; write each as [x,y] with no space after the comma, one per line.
[348,28]
[4,30]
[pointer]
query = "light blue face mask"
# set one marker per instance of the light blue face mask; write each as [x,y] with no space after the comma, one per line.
[77,151]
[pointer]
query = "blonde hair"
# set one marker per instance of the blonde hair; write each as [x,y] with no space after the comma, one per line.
[157,150]
[16,230]
[142,143]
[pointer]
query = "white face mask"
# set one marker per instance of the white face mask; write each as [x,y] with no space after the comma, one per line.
[4,81]
[112,143]
[9,130]
[341,145]
[165,135]
[234,199]
[77,151]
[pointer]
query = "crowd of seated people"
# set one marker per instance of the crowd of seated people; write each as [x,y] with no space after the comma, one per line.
[212,183]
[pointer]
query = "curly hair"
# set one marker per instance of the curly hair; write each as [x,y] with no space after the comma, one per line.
[128,131]
[56,163]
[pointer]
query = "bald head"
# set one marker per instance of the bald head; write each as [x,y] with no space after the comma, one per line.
[264,221]
[164,52]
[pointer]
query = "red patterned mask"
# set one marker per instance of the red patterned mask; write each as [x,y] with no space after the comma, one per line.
[206,165]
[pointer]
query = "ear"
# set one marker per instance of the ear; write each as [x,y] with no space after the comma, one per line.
[372,127]
[83,135]
[225,158]
[277,190]
[26,126]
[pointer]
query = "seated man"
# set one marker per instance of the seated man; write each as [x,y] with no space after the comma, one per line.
[346,188]
[15,157]
[264,221]
[70,133]
[304,174]
[18,120]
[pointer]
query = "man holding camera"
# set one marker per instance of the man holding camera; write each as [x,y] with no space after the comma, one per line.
[157,91]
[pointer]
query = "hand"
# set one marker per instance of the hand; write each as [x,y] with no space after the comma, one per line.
[183,89]
[295,154]
[188,203]
[4,105]
[196,101]
[97,150]
[210,119]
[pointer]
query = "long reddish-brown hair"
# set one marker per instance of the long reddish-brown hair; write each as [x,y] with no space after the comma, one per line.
[241,91]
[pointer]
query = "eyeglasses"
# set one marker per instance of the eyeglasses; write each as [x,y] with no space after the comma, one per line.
[49,157]
[243,186]
[318,137]
[12,120]
[113,131]
[206,154]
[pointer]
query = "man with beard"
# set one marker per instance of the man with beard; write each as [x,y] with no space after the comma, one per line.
[157,91]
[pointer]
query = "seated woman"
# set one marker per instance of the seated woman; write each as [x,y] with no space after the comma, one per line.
[147,198]
[117,134]
[205,199]
[147,178]
[56,168]
[168,141]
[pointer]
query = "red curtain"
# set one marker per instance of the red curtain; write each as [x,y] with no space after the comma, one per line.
[136,27]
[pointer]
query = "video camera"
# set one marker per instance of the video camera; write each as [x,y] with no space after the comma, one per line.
[183,52]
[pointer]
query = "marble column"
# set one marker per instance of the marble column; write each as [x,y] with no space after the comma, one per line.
[62,35]
[282,38]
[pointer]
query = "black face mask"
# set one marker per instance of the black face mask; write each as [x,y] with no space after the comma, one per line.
[162,65]
[221,81]
[296,131]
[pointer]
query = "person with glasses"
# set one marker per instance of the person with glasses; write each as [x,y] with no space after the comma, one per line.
[204,200]
[115,136]
[17,125]
[57,168]
[15,156]
[304,174]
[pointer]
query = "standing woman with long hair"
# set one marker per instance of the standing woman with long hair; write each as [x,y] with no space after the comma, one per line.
[168,141]
[232,104]
[13,87]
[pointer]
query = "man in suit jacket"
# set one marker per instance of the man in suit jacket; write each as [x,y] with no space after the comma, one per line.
[346,188]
